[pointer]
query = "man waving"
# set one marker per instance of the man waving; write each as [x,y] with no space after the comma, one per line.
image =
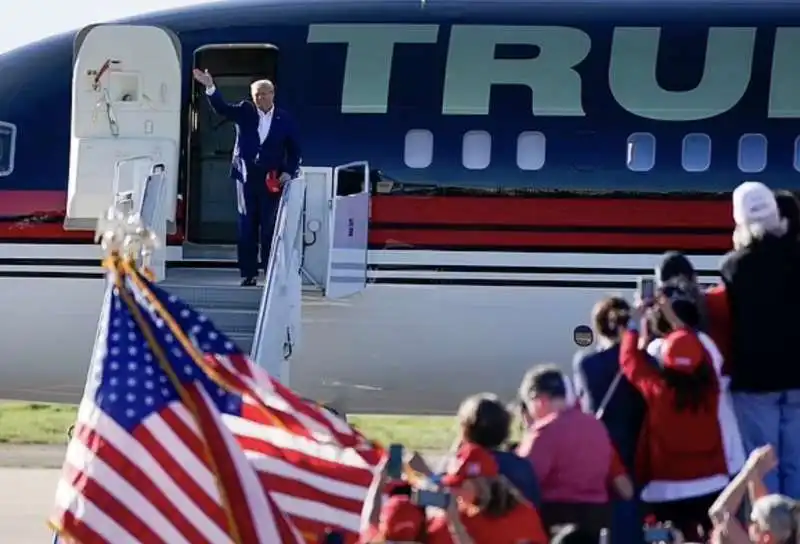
[266,155]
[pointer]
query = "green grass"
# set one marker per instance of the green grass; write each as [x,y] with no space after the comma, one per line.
[26,423]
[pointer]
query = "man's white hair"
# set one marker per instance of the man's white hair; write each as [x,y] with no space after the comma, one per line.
[745,235]
[256,85]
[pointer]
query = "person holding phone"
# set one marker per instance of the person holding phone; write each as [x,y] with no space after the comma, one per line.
[604,393]
[681,461]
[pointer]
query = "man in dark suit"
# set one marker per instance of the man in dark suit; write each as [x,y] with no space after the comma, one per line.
[266,155]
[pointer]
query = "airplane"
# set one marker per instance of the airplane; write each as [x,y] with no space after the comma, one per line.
[516,160]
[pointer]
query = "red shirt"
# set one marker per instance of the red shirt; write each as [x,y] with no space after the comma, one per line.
[674,446]
[573,457]
[719,322]
[520,525]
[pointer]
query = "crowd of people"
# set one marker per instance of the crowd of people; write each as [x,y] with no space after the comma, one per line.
[682,423]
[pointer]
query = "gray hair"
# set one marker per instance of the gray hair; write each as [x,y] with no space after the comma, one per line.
[746,234]
[261,83]
[779,515]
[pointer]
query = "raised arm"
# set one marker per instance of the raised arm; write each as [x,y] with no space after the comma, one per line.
[634,363]
[218,104]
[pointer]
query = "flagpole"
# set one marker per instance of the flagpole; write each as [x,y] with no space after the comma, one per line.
[124,267]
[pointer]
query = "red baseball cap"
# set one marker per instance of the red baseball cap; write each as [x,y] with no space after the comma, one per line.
[471,461]
[401,519]
[683,351]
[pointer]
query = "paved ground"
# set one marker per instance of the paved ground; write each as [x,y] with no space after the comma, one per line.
[28,477]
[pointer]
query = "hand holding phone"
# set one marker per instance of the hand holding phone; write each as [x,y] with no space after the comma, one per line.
[426,497]
[657,534]
[647,289]
[394,467]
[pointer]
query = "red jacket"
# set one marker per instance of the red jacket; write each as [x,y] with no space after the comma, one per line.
[719,322]
[673,446]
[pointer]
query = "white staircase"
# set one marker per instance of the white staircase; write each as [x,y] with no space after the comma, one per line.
[215,290]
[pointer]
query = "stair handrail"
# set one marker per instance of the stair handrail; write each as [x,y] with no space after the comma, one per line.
[148,200]
[277,330]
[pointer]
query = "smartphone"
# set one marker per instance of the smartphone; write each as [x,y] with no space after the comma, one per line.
[646,288]
[394,467]
[426,497]
[657,534]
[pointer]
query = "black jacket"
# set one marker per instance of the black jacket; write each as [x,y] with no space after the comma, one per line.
[763,286]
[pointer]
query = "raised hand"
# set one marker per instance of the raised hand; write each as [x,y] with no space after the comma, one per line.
[203,77]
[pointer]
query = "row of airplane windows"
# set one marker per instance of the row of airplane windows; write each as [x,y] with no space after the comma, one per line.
[476,151]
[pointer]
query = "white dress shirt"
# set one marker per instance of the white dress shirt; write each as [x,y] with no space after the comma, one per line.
[264,118]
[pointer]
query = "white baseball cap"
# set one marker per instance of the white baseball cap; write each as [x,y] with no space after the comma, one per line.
[754,202]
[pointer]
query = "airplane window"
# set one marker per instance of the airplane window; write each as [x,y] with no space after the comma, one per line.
[8,143]
[641,152]
[797,153]
[476,151]
[530,150]
[752,153]
[696,154]
[419,148]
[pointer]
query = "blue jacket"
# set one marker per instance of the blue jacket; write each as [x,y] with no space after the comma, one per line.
[594,372]
[281,149]
[519,472]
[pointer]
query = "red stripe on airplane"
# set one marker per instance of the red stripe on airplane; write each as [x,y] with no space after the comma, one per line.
[550,212]
[543,241]
[31,211]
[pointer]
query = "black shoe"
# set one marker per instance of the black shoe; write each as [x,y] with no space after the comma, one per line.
[249,282]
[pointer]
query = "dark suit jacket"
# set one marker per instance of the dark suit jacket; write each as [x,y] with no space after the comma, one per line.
[280,151]
[594,372]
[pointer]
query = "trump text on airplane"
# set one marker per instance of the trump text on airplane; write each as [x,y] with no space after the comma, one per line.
[553,76]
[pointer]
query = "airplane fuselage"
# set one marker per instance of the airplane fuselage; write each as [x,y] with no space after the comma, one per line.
[528,157]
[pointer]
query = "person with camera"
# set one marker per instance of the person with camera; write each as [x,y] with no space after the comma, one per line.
[774,519]
[605,393]
[472,502]
[681,460]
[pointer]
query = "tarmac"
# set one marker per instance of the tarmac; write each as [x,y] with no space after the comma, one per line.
[28,478]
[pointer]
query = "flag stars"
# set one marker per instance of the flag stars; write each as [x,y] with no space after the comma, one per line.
[132,366]
[113,365]
[149,384]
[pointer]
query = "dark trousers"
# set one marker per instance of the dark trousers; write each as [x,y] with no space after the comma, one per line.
[688,515]
[257,214]
[591,517]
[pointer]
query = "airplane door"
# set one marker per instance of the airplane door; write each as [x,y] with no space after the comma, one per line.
[349,208]
[126,117]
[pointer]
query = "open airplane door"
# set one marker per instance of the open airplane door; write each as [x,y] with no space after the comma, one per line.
[126,118]
[349,208]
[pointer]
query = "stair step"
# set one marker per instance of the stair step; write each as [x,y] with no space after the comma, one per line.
[232,321]
[217,297]
[244,341]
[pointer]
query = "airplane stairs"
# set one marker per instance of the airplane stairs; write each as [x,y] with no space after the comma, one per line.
[209,280]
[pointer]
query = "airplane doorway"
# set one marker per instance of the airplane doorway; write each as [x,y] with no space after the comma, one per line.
[211,195]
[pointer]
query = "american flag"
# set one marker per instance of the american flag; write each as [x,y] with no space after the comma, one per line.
[311,465]
[315,466]
[150,460]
